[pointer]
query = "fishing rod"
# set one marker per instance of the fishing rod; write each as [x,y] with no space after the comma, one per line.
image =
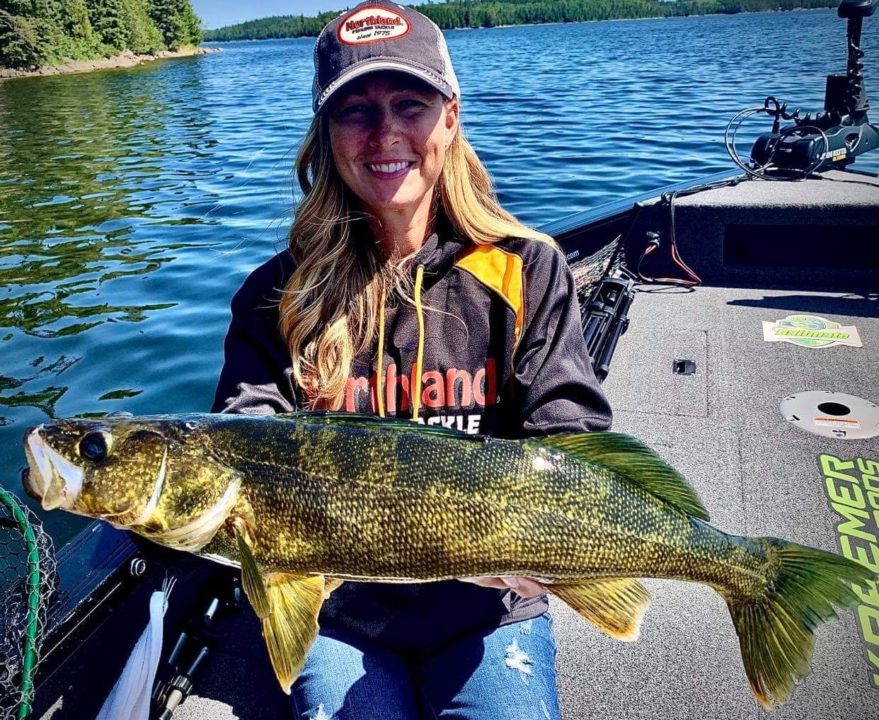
[220,596]
[828,139]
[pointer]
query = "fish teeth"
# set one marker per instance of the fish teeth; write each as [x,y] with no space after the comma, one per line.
[388,167]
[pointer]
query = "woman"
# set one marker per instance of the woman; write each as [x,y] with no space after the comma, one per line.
[408,292]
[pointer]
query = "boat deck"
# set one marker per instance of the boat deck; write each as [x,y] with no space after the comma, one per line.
[765,251]
[722,428]
[757,475]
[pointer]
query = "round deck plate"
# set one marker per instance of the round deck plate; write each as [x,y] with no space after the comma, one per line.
[832,414]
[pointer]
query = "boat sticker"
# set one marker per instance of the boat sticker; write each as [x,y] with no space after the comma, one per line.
[852,488]
[371,24]
[810,331]
[836,155]
[849,423]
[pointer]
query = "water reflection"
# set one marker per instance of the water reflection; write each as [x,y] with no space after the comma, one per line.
[88,166]
[12,393]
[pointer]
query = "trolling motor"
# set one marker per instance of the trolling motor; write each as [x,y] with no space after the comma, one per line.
[832,138]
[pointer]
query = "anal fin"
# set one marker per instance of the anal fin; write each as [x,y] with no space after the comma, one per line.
[614,605]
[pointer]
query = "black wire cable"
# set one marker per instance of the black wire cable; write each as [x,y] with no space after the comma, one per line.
[654,243]
[763,172]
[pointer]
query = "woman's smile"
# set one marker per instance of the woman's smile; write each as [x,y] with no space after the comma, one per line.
[389,169]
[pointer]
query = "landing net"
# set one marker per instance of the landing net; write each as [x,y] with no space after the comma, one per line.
[27,584]
[590,270]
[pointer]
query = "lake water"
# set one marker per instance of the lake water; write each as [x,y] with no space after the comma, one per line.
[134,202]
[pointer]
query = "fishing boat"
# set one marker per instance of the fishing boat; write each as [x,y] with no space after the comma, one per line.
[735,324]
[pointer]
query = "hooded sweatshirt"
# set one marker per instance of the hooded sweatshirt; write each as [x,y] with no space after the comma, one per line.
[493,345]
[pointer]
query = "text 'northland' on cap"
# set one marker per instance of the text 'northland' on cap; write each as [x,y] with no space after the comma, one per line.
[380,35]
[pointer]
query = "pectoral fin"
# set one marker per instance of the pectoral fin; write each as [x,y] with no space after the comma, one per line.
[251,578]
[287,606]
[614,605]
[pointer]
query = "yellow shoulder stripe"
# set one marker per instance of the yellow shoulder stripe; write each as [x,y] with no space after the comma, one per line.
[500,271]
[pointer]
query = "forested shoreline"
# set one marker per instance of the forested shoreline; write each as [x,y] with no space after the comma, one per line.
[43,33]
[490,13]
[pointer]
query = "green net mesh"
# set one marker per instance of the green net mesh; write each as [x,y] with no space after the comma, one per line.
[27,585]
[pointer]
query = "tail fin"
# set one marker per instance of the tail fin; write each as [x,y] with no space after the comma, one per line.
[776,629]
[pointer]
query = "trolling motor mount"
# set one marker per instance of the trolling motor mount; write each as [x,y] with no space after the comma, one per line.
[832,138]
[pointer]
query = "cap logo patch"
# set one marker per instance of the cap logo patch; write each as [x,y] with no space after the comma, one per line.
[371,24]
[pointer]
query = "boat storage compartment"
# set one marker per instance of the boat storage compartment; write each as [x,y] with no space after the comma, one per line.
[822,247]
[815,233]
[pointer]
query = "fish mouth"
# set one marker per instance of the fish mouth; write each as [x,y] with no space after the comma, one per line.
[53,480]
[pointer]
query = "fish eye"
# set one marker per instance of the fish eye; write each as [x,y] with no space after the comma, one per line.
[95,446]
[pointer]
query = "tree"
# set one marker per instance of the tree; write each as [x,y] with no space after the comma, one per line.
[19,42]
[75,23]
[141,35]
[177,22]
[192,33]
[107,22]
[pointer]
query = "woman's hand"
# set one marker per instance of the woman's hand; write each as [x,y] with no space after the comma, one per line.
[524,586]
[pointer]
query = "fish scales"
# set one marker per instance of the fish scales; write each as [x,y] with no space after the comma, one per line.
[456,509]
[302,501]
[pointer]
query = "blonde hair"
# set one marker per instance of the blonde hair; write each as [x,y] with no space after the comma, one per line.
[329,308]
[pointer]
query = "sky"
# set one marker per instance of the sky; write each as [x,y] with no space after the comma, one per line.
[217,13]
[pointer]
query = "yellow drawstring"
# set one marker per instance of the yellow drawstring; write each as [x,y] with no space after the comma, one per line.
[416,394]
[380,369]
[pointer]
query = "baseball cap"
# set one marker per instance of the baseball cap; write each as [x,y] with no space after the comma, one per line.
[380,35]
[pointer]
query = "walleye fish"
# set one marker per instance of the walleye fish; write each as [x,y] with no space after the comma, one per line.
[304,501]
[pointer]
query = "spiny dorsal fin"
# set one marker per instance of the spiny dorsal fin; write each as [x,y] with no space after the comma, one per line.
[631,459]
[614,605]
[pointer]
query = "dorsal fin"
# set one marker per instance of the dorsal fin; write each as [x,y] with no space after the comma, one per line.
[631,459]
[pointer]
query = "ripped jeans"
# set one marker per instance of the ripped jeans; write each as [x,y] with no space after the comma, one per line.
[502,674]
